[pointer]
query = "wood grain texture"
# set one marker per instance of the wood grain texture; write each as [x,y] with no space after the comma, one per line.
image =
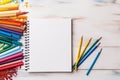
[95,75]
[89,20]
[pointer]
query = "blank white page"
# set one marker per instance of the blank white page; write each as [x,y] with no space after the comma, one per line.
[50,45]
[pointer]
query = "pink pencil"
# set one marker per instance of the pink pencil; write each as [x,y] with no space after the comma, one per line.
[11,57]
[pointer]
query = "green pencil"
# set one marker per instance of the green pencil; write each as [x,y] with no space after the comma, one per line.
[7,48]
[9,41]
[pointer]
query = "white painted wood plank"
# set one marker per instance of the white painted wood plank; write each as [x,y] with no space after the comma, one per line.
[81,74]
[71,8]
[110,31]
[109,59]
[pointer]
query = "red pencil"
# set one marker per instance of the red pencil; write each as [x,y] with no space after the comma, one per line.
[21,13]
[11,65]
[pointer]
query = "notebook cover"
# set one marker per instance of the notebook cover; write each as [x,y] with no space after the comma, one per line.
[50,45]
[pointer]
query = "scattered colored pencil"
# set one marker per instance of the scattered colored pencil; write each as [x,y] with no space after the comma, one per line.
[91,46]
[89,53]
[79,50]
[92,65]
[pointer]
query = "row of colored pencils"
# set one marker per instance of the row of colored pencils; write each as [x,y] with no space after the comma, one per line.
[12,27]
[85,51]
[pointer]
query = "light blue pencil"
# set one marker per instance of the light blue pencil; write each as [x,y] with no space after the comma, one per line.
[92,65]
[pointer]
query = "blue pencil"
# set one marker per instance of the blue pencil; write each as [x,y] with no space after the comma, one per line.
[97,56]
[87,55]
[10,31]
[86,52]
[10,35]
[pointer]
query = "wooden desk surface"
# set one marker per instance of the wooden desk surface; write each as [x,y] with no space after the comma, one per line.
[89,20]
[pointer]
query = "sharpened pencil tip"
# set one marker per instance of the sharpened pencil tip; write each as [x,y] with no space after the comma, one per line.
[100,38]
[90,38]
[82,36]
[101,50]
[98,44]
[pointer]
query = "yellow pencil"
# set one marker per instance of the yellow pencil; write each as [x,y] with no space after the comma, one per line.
[2,2]
[84,49]
[23,17]
[8,13]
[12,13]
[79,50]
[9,7]
[19,17]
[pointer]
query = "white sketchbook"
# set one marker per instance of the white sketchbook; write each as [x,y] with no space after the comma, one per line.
[50,45]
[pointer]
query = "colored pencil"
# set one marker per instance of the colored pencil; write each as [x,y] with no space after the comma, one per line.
[89,53]
[8,7]
[12,13]
[6,49]
[10,35]
[1,45]
[84,48]
[11,50]
[11,53]
[11,31]
[3,2]
[92,65]
[11,57]
[10,41]
[15,17]
[79,50]
[12,22]
[11,65]
[91,46]
[4,46]
[14,28]
[12,60]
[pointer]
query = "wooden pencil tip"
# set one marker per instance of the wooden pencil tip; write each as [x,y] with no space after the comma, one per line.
[98,44]
[100,38]
[21,13]
[101,50]
[90,38]
[82,36]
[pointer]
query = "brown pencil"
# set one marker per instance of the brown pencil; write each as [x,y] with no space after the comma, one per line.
[11,27]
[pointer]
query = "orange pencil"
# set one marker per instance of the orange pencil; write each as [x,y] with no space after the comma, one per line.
[11,22]
[20,17]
